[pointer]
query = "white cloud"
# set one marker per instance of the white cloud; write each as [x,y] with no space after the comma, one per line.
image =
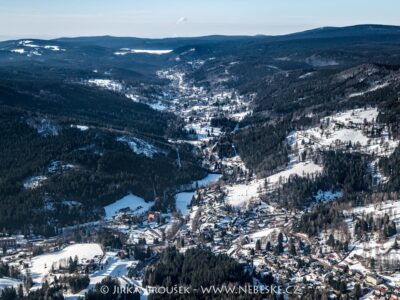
[181,20]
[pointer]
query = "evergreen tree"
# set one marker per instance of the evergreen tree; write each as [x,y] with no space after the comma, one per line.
[258,245]
[292,249]
[357,291]
[268,246]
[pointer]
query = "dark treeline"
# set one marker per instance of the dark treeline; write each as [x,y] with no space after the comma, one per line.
[330,215]
[196,268]
[75,283]
[345,172]
[262,147]
[390,167]
[370,224]
[53,292]
[112,285]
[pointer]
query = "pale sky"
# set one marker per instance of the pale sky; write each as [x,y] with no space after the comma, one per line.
[169,18]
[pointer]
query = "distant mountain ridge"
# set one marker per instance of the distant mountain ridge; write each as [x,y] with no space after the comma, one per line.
[168,42]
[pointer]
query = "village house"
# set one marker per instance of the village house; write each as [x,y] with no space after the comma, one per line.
[373,279]
[8,242]
[153,216]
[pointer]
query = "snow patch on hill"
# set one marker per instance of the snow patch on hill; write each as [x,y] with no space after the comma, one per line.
[125,51]
[350,130]
[53,48]
[135,204]
[318,61]
[154,104]
[355,116]
[372,89]
[34,182]
[57,165]
[239,195]
[107,84]
[80,127]
[20,51]
[27,47]
[327,195]
[306,75]
[301,169]
[44,127]
[139,146]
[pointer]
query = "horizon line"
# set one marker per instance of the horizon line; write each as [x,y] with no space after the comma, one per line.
[4,38]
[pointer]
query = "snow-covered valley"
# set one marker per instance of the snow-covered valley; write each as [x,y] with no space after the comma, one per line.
[230,211]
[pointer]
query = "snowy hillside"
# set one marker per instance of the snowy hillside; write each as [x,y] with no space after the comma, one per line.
[42,265]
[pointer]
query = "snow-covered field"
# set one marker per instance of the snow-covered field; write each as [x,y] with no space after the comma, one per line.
[124,51]
[263,233]
[209,179]
[136,204]
[112,266]
[301,169]
[183,200]
[240,195]
[42,264]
